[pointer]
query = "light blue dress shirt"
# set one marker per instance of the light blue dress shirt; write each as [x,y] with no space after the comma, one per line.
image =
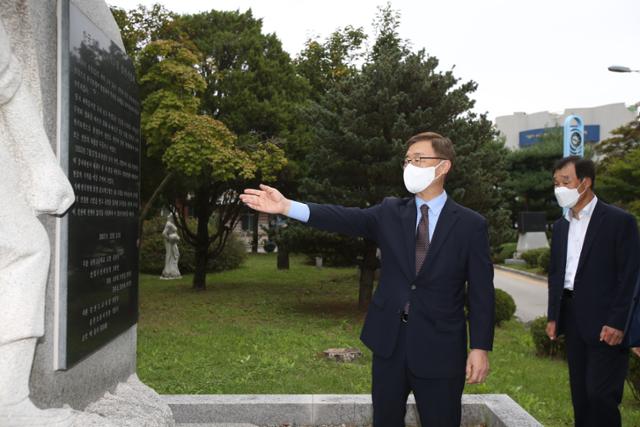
[300,211]
[435,207]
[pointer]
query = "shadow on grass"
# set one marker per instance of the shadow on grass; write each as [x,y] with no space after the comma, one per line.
[335,309]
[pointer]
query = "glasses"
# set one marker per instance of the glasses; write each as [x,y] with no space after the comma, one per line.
[420,161]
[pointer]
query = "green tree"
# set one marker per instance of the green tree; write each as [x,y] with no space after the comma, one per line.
[229,73]
[209,165]
[618,178]
[624,139]
[140,26]
[327,64]
[214,168]
[362,121]
[252,84]
[530,179]
[169,88]
[620,182]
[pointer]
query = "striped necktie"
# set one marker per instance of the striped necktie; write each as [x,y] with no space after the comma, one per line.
[422,238]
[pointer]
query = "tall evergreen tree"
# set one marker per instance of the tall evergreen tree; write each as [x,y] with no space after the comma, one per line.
[362,122]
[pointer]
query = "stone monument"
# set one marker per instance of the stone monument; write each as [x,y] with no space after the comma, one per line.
[68,284]
[32,184]
[172,253]
[532,228]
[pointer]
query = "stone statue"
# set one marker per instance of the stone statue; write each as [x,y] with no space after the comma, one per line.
[31,184]
[172,254]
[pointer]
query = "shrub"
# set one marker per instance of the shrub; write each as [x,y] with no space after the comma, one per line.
[544,259]
[232,256]
[505,307]
[633,377]
[505,251]
[152,251]
[531,257]
[543,345]
[336,250]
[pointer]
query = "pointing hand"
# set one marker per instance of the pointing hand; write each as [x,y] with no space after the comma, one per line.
[266,199]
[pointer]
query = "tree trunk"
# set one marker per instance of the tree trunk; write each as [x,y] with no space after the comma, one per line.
[256,227]
[200,274]
[367,274]
[283,259]
[202,237]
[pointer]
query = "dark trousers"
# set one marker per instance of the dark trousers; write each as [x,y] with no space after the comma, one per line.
[438,400]
[596,375]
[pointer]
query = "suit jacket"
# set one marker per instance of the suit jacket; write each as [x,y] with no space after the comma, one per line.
[458,254]
[606,275]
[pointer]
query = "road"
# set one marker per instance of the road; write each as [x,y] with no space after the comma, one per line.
[529,294]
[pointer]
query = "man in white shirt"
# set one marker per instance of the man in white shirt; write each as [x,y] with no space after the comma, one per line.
[594,266]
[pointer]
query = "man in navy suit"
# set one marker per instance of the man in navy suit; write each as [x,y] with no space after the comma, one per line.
[434,255]
[592,274]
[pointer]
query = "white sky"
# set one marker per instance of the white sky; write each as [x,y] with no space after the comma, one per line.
[525,55]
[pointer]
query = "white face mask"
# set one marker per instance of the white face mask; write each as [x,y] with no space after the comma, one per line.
[417,179]
[567,197]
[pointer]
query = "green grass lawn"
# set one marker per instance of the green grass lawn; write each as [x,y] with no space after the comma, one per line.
[260,330]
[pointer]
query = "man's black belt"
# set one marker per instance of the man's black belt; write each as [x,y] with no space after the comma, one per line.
[567,293]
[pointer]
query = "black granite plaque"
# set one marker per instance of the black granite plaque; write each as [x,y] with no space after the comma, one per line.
[532,221]
[100,117]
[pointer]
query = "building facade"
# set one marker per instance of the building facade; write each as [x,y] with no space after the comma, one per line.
[522,129]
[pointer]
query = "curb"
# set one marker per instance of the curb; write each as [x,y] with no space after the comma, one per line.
[520,272]
[496,410]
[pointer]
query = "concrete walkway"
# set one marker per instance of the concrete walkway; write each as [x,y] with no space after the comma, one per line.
[529,294]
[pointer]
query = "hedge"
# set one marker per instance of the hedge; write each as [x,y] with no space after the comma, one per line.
[532,257]
[505,251]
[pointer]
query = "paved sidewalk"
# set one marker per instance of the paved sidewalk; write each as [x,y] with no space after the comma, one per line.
[530,294]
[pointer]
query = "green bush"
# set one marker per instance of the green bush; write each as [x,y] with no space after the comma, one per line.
[505,307]
[543,260]
[531,257]
[543,345]
[152,251]
[336,250]
[505,251]
[633,377]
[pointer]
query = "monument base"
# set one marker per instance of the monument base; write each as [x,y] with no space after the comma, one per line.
[531,240]
[131,404]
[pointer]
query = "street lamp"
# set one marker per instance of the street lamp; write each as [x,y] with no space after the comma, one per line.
[622,69]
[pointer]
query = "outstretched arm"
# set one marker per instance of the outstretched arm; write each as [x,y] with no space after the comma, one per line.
[351,221]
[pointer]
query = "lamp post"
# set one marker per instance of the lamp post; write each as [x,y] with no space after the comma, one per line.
[622,69]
